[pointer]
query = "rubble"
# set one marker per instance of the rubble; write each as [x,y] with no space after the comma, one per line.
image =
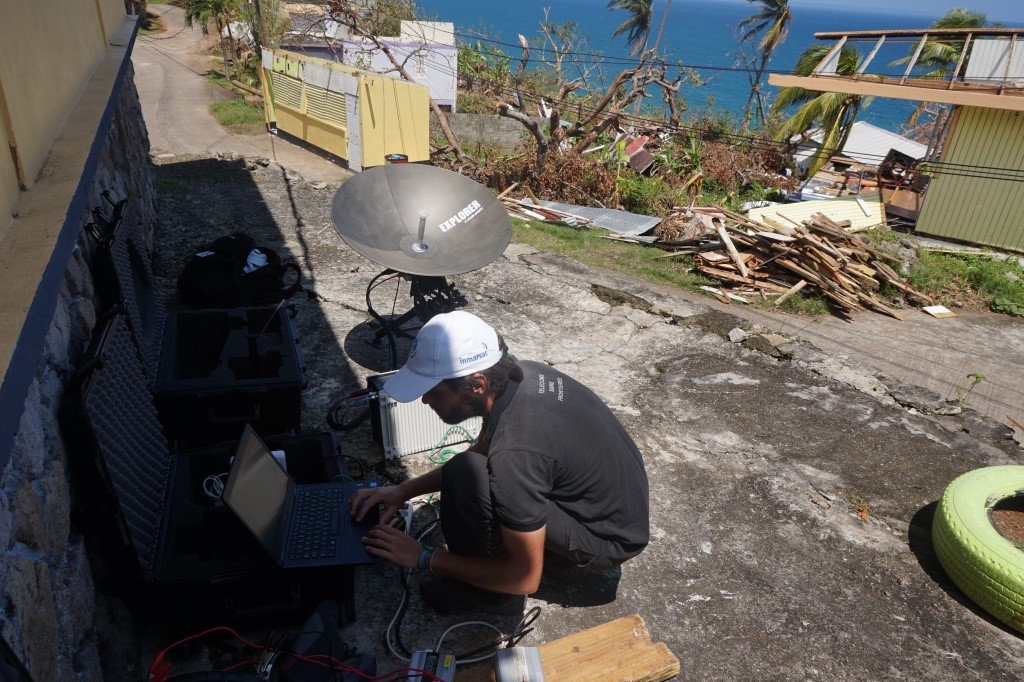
[771,260]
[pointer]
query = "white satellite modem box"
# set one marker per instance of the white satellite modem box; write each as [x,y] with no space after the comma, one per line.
[410,428]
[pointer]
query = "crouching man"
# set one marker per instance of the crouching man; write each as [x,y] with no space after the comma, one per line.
[552,469]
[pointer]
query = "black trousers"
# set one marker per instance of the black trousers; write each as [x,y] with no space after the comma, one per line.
[471,529]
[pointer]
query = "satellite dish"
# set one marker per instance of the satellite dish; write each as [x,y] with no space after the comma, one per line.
[421,220]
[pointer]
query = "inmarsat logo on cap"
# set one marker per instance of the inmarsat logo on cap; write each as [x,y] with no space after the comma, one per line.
[470,359]
[468,213]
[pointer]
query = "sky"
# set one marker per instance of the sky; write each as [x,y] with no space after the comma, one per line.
[1010,12]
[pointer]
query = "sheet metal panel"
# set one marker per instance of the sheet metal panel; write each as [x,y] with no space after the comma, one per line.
[867,144]
[327,106]
[989,59]
[613,220]
[316,75]
[980,197]
[287,91]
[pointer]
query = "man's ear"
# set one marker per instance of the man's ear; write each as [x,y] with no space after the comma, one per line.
[478,383]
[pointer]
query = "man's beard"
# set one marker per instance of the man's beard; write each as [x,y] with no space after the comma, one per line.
[455,414]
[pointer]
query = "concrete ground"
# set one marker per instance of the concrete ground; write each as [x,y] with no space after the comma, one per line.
[791,492]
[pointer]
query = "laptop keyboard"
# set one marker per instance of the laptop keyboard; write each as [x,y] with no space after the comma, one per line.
[316,527]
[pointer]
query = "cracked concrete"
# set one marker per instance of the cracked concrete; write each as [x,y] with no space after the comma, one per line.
[791,494]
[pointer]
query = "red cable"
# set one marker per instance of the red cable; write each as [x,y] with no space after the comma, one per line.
[159,669]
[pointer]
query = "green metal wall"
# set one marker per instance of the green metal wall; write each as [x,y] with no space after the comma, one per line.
[964,205]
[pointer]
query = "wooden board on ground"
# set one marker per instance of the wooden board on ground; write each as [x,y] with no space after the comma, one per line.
[613,652]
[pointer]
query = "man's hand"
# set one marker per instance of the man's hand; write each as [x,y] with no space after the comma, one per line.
[392,544]
[367,498]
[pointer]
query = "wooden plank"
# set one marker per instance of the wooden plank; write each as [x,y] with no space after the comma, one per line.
[731,248]
[792,290]
[618,651]
[727,276]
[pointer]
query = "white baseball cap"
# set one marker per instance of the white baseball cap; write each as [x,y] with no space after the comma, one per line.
[450,345]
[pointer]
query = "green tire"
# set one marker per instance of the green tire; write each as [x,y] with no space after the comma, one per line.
[984,564]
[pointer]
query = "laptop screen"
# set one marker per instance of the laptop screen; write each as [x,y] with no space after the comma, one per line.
[257,489]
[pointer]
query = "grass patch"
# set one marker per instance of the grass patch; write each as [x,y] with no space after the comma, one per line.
[587,246]
[166,185]
[238,117]
[152,24]
[218,78]
[882,236]
[1000,282]
[800,303]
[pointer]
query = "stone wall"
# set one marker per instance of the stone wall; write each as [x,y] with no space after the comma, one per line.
[482,130]
[50,616]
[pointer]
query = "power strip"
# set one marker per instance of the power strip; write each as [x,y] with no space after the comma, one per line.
[440,665]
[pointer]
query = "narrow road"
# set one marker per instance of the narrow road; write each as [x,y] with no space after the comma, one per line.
[170,76]
[935,353]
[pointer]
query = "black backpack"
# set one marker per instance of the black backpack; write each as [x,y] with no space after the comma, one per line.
[217,275]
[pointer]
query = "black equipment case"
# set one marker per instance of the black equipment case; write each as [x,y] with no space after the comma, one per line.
[147,505]
[125,279]
[222,369]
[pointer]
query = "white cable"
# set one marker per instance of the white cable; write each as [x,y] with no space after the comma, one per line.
[394,619]
[405,596]
[213,485]
[463,624]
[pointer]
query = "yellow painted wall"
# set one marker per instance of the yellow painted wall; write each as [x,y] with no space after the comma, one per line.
[985,211]
[8,185]
[112,12]
[50,48]
[393,114]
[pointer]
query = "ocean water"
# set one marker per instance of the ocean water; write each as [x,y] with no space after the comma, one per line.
[701,34]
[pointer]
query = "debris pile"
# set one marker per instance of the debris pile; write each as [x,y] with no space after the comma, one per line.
[530,209]
[770,259]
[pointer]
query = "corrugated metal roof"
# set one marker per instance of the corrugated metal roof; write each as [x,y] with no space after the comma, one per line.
[621,222]
[867,144]
[995,61]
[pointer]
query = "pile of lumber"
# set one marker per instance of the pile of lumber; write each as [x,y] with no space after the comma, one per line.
[771,259]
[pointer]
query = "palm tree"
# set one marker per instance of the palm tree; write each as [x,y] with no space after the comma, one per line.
[772,24]
[638,27]
[220,13]
[661,27]
[941,55]
[833,112]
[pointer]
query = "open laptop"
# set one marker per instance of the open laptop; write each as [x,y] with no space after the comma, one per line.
[299,525]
